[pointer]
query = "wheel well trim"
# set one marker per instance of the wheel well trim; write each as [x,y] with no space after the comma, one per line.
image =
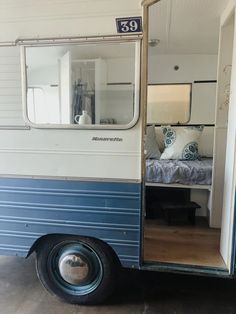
[38,243]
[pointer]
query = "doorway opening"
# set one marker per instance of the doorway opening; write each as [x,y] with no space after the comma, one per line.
[188,108]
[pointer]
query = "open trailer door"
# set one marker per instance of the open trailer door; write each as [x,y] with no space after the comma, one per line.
[226,116]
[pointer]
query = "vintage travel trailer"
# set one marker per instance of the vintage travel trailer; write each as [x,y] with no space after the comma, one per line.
[117,139]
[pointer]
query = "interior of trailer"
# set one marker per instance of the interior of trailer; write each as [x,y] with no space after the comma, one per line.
[187,134]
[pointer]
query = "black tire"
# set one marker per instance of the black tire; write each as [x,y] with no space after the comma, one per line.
[59,253]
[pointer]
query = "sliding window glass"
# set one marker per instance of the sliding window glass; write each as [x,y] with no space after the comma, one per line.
[82,85]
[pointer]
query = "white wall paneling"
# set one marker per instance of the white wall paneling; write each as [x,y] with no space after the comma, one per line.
[186,26]
[203,103]
[31,18]
[194,67]
[63,153]
[10,87]
[71,153]
[201,197]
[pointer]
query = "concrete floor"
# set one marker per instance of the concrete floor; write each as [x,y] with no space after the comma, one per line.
[143,292]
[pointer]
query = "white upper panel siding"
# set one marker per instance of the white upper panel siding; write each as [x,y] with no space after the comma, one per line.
[60,153]
[32,18]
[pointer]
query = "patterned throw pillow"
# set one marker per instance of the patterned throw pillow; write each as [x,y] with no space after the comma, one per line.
[181,142]
[151,146]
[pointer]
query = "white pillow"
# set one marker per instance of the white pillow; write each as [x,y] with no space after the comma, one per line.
[181,142]
[151,146]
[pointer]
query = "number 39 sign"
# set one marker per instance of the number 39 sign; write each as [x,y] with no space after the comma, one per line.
[129,24]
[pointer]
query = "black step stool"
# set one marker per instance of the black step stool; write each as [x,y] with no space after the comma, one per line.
[179,211]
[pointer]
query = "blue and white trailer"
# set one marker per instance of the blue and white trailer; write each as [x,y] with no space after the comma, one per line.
[73,191]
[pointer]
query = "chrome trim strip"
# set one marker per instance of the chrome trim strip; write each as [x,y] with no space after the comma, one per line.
[75,39]
[14,127]
[92,179]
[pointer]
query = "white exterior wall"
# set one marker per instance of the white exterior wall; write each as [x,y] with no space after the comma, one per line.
[64,153]
[32,18]
[10,87]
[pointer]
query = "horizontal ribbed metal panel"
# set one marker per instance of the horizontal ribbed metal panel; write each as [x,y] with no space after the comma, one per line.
[10,87]
[31,208]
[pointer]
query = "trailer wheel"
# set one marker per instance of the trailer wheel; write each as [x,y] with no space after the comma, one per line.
[77,270]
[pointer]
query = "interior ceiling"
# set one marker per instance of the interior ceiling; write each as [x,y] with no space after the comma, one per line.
[186,26]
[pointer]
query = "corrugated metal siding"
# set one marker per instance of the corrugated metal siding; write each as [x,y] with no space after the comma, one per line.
[10,87]
[30,209]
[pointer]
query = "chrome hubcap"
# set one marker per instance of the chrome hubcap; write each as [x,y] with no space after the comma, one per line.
[74,268]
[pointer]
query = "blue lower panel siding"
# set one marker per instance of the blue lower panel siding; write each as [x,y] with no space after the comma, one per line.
[31,208]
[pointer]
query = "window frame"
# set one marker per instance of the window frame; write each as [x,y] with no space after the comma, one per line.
[136,39]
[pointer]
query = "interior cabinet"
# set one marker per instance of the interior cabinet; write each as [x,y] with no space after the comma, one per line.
[203,103]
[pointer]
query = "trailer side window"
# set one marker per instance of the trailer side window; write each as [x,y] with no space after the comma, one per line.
[169,103]
[82,85]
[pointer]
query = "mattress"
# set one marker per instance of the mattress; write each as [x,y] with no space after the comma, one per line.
[188,172]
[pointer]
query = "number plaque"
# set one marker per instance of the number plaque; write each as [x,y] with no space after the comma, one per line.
[129,24]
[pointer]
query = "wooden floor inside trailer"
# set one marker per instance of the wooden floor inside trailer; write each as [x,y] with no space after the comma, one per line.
[191,245]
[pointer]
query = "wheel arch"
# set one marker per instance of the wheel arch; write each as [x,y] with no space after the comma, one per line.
[39,242]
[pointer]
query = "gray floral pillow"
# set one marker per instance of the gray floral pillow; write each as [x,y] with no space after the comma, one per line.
[151,146]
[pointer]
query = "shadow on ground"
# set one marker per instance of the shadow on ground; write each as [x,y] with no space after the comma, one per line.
[138,292]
